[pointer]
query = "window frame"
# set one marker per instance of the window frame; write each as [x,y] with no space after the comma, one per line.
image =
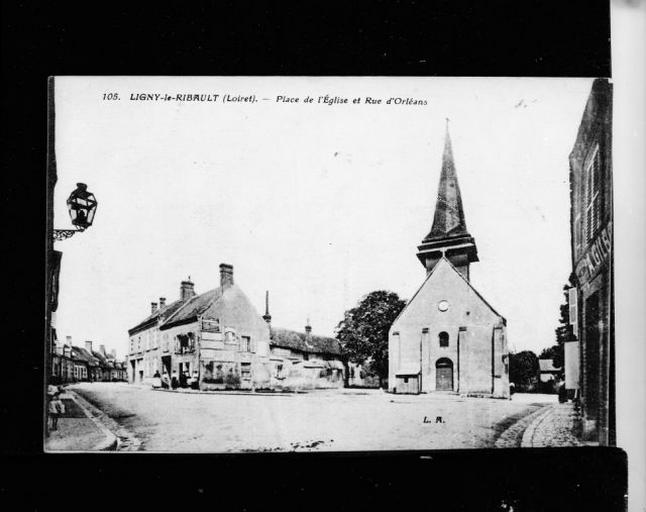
[592,195]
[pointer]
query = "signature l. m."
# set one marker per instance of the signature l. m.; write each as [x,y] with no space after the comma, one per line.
[438,419]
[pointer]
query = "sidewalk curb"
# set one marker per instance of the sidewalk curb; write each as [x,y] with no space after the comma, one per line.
[231,392]
[509,437]
[111,442]
[528,435]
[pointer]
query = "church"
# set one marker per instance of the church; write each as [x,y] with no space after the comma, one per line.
[448,338]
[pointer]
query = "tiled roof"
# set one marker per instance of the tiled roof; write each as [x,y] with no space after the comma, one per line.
[294,340]
[161,314]
[98,355]
[83,355]
[193,307]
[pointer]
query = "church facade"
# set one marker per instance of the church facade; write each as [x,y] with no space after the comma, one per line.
[448,337]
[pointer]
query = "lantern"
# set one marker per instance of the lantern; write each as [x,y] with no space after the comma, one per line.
[82,207]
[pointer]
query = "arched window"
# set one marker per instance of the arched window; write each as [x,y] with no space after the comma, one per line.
[444,339]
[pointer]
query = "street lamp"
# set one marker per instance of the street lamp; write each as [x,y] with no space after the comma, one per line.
[81,205]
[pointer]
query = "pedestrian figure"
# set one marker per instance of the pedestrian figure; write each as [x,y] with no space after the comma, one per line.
[56,408]
[195,381]
[561,391]
[157,380]
[165,380]
[174,381]
[183,378]
[51,391]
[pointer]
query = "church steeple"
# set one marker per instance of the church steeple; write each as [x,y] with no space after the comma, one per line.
[448,235]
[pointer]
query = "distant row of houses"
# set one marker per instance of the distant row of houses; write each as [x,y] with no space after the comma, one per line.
[220,338]
[71,363]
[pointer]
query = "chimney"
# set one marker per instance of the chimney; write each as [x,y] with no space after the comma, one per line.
[267,317]
[226,275]
[308,330]
[88,346]
[102,349]
[186,289]
[162,302]
[153,307]
[68,340]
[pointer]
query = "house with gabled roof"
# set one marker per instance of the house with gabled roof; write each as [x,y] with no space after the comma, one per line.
[219,337]
[303,360]
[85,364]
[448,338]
[547,371]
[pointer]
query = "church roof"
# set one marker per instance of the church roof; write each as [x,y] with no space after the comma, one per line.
[445,260]
[449,219]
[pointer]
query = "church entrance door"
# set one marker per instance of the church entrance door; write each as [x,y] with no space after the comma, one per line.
[444,375]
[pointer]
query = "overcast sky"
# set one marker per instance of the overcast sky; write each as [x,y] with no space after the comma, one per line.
[319,204]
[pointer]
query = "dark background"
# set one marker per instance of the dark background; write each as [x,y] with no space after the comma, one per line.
[441,38]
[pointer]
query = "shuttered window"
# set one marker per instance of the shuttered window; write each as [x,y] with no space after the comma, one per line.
[592,195]
[573,312]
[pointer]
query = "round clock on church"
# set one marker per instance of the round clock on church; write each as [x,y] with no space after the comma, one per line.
[443,305]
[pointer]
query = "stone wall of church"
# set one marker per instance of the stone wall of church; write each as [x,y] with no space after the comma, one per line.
[447,332]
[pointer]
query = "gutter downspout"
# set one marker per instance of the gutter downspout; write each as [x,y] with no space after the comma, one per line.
[493,378]
[421,339]
[460,330]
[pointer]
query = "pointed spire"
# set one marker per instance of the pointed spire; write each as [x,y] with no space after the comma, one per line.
[448,236]
[449,215]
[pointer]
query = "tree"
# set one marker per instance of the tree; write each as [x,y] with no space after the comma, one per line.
[548,353]
[363,332]
[523,370]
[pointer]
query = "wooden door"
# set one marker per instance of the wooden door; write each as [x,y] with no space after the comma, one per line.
[444,375]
